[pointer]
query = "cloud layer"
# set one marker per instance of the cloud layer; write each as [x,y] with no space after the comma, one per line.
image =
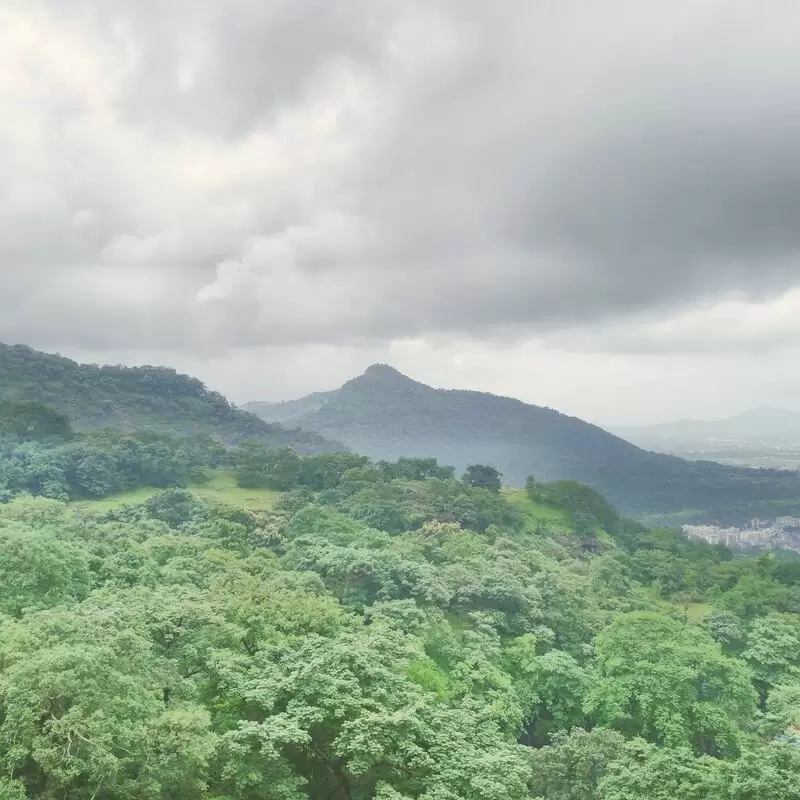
[205,176]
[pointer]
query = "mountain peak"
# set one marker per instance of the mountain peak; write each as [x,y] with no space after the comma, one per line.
[381,370]
[382,376]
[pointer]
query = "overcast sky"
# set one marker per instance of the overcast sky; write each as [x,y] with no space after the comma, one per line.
[592,206]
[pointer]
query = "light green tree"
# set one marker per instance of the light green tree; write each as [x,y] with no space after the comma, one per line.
[671,684]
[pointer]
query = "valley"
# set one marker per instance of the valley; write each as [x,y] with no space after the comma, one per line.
[761,437]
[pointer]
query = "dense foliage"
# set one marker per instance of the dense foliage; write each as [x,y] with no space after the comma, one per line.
[389,632]
[135,399]
[40,454]
[386,415]
[32,421]
[102,464]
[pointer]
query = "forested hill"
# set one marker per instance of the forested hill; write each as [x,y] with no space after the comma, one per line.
[156,399]
[386,415]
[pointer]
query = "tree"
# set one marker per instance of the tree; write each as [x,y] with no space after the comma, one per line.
[645,772]
[769,772]
[782,712]
[174,506]
[727,629]
[671,684]
[773,651]
[550,688]
[38,570]
[83,714]
[324,470]
[483,476]
[33,421]
[571,767]
[473,650]
[587,508]
[415,469]
[342,716]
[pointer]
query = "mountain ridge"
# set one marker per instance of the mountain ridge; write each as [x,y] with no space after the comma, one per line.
[388,415]
[143,398]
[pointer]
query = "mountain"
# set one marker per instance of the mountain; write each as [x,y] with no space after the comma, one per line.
[765,425]
[387,415]
[147,398]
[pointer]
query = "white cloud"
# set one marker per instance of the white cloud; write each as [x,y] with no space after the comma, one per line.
[592,207]
[730,326]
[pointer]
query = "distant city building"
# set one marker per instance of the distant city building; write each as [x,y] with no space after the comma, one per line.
[783,533]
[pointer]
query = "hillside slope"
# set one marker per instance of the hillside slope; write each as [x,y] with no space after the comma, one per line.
[289,410]
[146,398]
[386,415]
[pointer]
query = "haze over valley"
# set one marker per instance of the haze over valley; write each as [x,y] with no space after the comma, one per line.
[764,436]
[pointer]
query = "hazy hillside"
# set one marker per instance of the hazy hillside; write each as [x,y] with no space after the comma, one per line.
[289,410]
[765,424]
[135,399]
[759,437]
[387,415]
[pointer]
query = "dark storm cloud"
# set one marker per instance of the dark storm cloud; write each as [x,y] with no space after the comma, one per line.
[206,175]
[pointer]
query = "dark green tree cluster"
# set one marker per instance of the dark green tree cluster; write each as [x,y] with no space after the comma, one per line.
[487,477]
[32,422]
[100,464]
[259,466]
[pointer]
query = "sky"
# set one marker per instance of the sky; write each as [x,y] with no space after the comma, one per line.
[590,206]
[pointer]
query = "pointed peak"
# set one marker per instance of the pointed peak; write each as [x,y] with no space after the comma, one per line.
[382,376]
[381,370]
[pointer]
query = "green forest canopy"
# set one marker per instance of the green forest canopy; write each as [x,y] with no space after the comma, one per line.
[386,631]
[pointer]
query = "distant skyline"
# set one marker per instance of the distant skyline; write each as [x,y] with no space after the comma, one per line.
[588,206]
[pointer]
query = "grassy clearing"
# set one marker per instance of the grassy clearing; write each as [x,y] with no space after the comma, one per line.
[697,612]
[220,488]
[104,504]
[537,513]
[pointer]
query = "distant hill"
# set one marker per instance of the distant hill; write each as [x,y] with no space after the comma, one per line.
[155,399]
[764,425]
[387,415]
[289,410]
